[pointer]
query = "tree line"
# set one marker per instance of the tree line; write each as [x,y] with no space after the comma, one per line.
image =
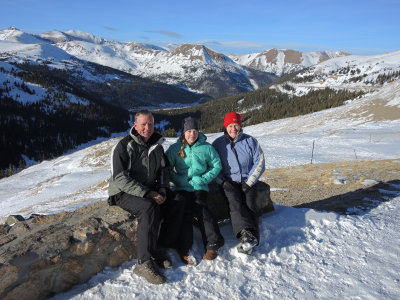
[259,106]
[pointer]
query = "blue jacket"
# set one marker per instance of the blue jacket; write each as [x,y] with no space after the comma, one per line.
[199,167]
[242,159]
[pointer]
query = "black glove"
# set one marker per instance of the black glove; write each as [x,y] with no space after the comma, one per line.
[228,185]
[245,187]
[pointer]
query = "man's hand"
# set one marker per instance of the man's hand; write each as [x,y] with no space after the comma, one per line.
[162,191]
[228,185]
[160,199]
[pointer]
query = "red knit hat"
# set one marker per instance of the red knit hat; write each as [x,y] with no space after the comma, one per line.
[232,117]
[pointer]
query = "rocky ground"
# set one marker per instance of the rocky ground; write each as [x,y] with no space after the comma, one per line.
[339,186]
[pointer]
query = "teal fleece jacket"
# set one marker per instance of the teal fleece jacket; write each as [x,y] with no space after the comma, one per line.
[199,167]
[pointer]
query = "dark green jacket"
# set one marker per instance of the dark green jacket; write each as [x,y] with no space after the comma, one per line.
[138,167]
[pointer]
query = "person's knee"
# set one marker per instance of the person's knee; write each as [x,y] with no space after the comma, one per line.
[150,209]
[235,202]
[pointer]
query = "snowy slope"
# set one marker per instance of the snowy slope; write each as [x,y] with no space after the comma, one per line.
[304,254]
[36,52]
[339,71]
[12,34]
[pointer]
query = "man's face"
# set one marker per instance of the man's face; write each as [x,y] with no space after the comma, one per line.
[145,126]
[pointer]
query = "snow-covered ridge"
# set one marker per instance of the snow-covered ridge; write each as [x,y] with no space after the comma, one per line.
[284,61]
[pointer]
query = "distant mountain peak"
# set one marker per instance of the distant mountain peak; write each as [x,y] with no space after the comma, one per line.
[13,34]
[85,36]
[143,46]
[200,52]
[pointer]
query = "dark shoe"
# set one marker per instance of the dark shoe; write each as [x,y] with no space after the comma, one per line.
[187,258]
[162,260]
[211,254]
[150,272]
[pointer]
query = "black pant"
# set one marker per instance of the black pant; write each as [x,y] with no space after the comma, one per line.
[195,205]
[242,207]
[149,215]
[172,212]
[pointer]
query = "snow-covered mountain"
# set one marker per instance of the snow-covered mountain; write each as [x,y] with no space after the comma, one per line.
[193,67]
[283,62]
[17,47]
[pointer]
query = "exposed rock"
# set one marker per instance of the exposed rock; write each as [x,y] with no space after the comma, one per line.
[44,255]
[48,254]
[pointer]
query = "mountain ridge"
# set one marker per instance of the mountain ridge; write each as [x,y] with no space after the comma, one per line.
[187,67]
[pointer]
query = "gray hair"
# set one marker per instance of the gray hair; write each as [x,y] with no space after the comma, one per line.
[143,112]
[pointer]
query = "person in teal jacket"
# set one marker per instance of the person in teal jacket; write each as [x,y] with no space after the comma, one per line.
[193,164]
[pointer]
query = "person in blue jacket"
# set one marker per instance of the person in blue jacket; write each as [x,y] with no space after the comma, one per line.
[193,164]
[242,166]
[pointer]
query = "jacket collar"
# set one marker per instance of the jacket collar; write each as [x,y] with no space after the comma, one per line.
[200,140]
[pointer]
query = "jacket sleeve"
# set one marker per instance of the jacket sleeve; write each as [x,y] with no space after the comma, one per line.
[220,178]
[120,174]
[214,166]
[258,164]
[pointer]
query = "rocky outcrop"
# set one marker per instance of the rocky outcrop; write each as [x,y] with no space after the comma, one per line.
[48,254]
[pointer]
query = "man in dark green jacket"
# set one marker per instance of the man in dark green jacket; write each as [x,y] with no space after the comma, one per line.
[138,184]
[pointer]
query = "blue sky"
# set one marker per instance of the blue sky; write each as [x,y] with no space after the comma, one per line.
[232,27]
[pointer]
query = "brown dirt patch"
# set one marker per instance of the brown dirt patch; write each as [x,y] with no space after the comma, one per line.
[335,186]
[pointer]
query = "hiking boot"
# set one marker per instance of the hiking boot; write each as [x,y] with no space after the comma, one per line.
[247,242]
[211,254]
[162,259]
[246,236]
[150,272]
[187,258]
